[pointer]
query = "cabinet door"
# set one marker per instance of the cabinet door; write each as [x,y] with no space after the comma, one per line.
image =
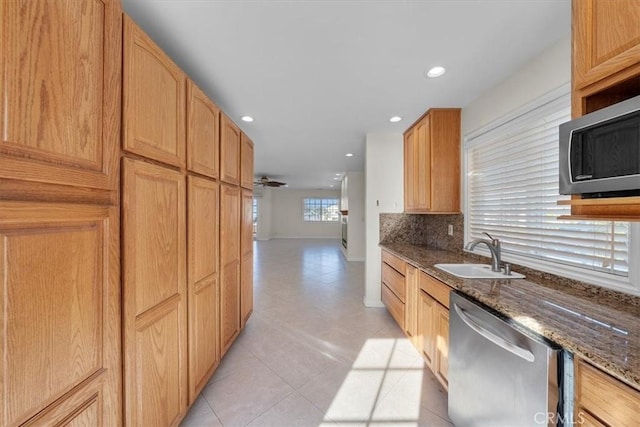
[426,328]
[442,345]
[411,302]
[409,171]
[60,86]
[246,248]
[229,264]
[155,300]
[60,311]
[422,167]
[606,38]
[154,97]
[203,133]
[202,278]
[246,162]
[229,151]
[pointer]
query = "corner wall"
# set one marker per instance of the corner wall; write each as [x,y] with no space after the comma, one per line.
[384,187]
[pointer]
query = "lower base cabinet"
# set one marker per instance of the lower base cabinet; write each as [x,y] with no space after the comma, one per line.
[424,313]
[155,294]
[60,322]
[602,400]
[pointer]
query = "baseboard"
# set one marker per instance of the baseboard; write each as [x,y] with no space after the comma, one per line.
[375,303]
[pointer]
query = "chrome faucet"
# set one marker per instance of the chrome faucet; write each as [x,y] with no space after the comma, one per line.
[494,247]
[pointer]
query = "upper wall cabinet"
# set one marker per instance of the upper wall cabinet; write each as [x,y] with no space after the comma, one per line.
[229,151]
[154,92]
[606,39]
[432,163]
[246,162]
[60,89]
[203,132]
[605,71]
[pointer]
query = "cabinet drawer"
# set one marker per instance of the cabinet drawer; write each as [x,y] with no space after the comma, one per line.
[609,399]
[394,262]
[394,305]
[394,280]
[438,290]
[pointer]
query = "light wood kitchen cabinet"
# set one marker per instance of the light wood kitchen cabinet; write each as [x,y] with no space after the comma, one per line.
[229,151]
[410,159]
[60,85]
[411,303]
[229,264]
[432,163]
[154,294]
[605,71]
[246,162]
[61,98]
[246,249]
[602,400]
[433,325]
[154,100]
[203,132]
[606,39]
[442,345]
[60,313]
[202,282]
[393,287]
[426,328]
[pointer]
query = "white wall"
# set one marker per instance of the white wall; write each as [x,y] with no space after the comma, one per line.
[286,214]
[263,195]
[549,70]
[384,187]
[356,226]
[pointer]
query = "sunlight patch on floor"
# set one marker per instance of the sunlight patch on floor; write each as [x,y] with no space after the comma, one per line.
[366,394]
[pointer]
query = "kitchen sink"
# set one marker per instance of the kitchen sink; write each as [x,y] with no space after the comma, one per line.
[476,271]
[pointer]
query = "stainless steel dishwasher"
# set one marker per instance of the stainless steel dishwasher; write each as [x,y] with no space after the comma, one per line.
[498,376]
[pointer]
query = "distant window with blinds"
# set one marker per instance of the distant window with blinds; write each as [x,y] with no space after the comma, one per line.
[321,210]
[512,193]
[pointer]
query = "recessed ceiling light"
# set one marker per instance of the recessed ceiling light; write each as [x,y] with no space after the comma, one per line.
[395,119]
[337,174]
[337,179]
[248,119]
[436,72]
[331,185]
[349,154]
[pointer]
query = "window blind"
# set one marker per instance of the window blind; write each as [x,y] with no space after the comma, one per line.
[512,194]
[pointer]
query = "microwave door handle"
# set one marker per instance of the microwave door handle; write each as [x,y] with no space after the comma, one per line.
[580,177]
[499,341]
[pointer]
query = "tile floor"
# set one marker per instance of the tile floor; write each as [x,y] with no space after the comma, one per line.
[313,355]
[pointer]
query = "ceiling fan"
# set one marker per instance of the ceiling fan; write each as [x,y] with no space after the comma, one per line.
[266,182]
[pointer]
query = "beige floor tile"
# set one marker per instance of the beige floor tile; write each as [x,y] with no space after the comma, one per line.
[294,410]
[201,415]
[241,397]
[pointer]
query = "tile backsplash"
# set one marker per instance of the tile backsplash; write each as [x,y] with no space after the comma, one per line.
[420,229]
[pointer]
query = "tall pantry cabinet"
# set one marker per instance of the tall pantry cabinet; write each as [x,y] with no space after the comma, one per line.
[109,160]
[154,234]
[59,215]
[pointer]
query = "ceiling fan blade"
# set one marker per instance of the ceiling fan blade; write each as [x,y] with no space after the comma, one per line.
[275,184]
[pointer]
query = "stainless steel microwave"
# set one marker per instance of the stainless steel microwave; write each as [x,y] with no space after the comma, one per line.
[600,152]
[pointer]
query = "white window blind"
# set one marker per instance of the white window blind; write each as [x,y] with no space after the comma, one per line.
[512,193]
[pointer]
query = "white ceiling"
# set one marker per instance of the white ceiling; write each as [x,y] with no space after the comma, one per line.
[317,75]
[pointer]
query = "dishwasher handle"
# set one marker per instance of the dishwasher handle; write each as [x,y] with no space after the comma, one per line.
[497,340]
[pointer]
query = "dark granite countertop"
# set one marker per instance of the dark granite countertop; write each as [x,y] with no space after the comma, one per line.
[598,325]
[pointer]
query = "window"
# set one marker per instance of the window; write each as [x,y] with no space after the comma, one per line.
[321,210]
[512,193]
